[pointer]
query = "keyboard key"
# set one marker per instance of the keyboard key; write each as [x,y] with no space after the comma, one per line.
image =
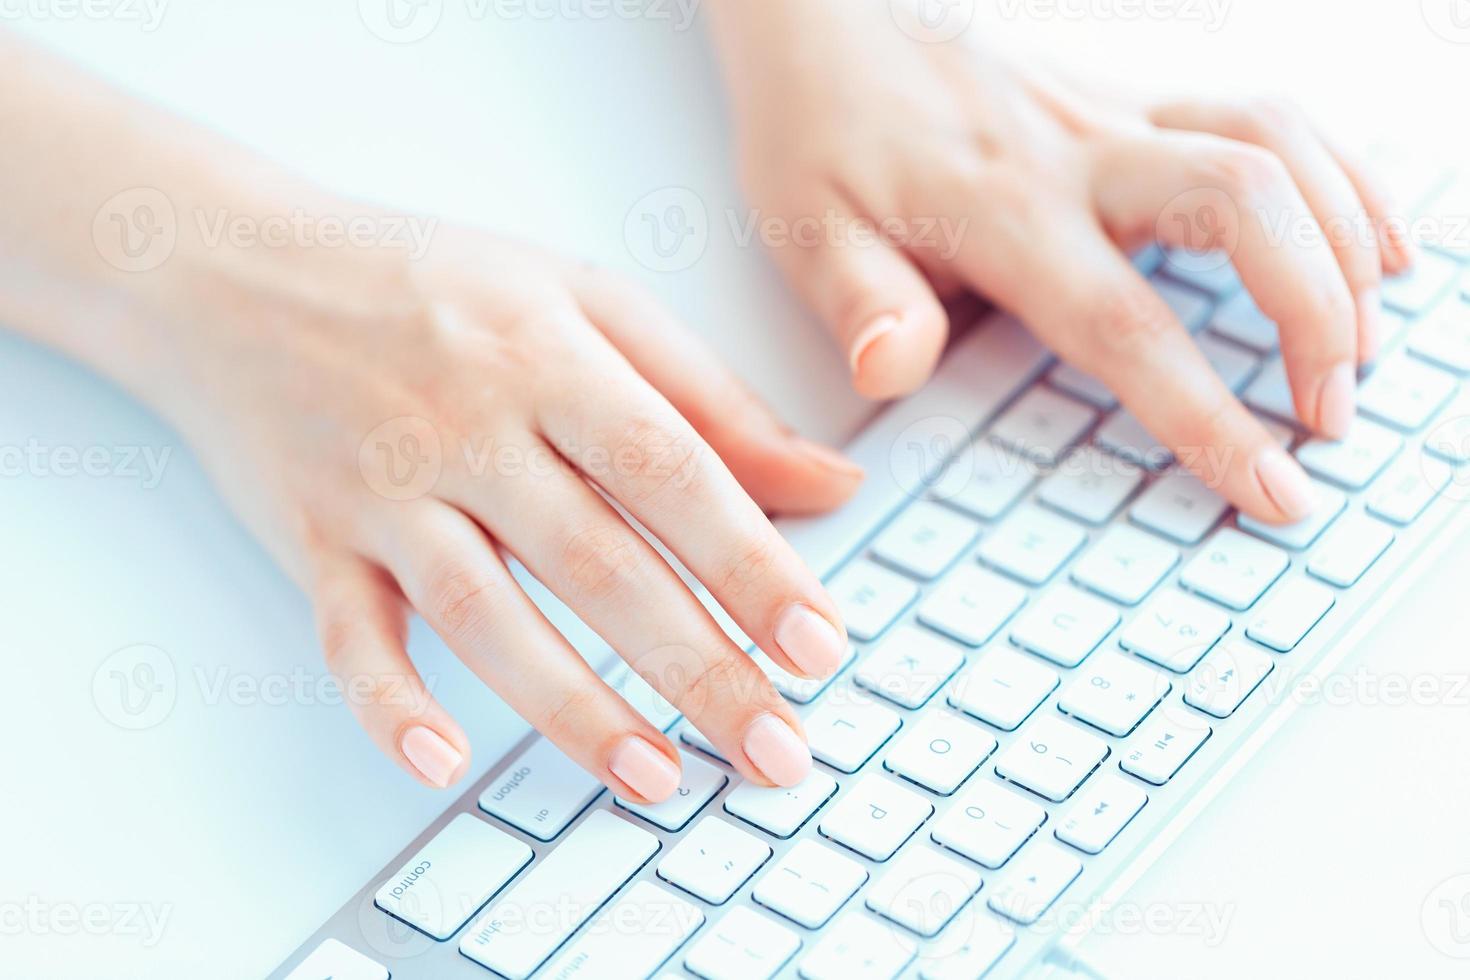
[1003,688]
[1031,544]
[1179,507]
[1405,393]
[1209,272]
[1100,812]
[1191,306]
[1449,439]
[875,817]
[1401,494]
[870,597]
[908,666]
[969,948]
[844,732]
[1234,569]
[641,929]
[971,604]
[1034,882]
[699,783]
[561,891]
[1051,758]
[1349,550]
[1356,460]
[1300,534]
[925,539]
[988,824]
[800,690]
[853,950]
[1082,385]
[1043,424]
[1289,613]
[1415,291]
[744,945]
[781,810]
[809,884]
[939,752]
[1225,678]
[1090,485]
[695,738]
[541,792]
[1064,625]
[337,961]
[1271,393]
[1162,746]
[713,860]
[1443,338]
[986,481]
[1125,564]
[1240,320]
[452,875]
[1234,366]
[1450,210]
[923,890]
[1113,693]
[1123,435]
[1174,630]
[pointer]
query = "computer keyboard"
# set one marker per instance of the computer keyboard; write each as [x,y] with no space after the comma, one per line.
[1063,645]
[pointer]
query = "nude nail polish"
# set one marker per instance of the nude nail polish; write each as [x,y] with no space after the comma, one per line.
[810,640]
[869,335]
[777,751]
[646,770]
[1337,402]
[430,754]
[1285,483]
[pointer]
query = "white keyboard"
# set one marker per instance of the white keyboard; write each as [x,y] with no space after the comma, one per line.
[1062,647]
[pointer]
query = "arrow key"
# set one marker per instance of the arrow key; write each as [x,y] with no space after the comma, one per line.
[1100,812]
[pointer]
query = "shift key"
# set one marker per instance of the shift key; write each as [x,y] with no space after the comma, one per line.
[541,792]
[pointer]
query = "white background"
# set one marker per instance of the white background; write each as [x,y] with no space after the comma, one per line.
[245,821]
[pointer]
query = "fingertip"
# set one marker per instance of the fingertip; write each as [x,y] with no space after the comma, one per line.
[433,758]
[1285,484]
[1337,401]
[644,769]
[893,356]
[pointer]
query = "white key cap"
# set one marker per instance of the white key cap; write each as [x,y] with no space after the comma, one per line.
[875,817]
[1356,460]
[1179,507]
[528,922]
[1191,306]
[925,539]
[1043,424]
[630,938]
[923,890]
[845,731]
[987,824]
[986,481]
[1270,392]
[781,810]
[939,751]
[661,714]
[1449,438]
[800,690]
[1404,392]
[1209,272]
[744,945]
[1226,677]
[1174,630]
[1234,569]
[1240,320]
[1082,385]
[968,949]
[541,792]
[713,860]
[909,665]
[1444,336]
[1125,436]
[452,875]
[1034,882]
[1003,688]
[1450,212]
[1416,290]
[1064,625]
[699,783]
[1090,485]
[1125,564]
[1300,534]
[1051,758]
[870,597]
[1402,493]
[1163,745]
[337,961]
[1100,812]
[1289,613]
[809,884]
[971,604]
[1234,366]
[852,949]
[1113,692]
[1349,550]
[1031,544]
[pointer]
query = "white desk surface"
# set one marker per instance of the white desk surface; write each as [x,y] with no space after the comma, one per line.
[242,819]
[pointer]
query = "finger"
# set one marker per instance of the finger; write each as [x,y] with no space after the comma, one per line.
[452,574]
[781,471]
[361,620]
[1395,243]
[1173,181]
[1324,185]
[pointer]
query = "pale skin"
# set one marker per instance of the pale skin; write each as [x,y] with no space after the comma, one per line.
[278,365]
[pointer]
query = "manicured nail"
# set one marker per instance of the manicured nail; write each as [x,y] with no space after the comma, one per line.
[1337,402]
[434,758]
[810,640]
[777,751]
[1285,483]
[646,770]
[869,335]
[828,458]
[1370,325]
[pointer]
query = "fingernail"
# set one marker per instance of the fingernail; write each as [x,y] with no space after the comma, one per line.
[828,458]
[810,640]
[1285,483]
[1370,325]
[1337,402]
[777,751]
[646,770]
[877,329]
[435,759]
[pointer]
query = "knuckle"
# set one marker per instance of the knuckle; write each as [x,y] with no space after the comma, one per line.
[1126,315]
[1267,120]
[748,569]
[1243,170]
[653,457]
[459,600]
[567,721]
[722,683]
[338,639]
[600,561]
